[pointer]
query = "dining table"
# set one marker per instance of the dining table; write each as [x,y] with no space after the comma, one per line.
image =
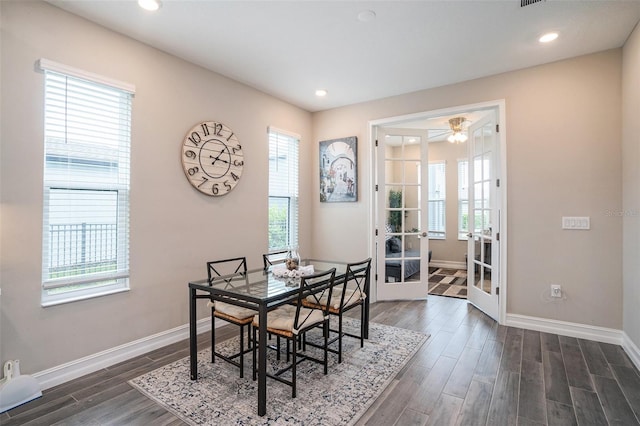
[261,290]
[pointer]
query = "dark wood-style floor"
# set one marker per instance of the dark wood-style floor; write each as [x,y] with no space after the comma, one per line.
[470,372]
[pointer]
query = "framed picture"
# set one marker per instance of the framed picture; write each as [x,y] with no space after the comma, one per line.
[339,170]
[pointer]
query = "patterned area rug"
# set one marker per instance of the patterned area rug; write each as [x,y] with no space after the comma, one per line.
[448,282]
[220,397]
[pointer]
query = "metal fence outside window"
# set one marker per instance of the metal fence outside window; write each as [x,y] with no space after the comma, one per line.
[82,248]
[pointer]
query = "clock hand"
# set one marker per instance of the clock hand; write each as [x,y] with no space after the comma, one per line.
[217,158]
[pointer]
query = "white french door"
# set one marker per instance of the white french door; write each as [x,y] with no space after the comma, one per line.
[483,251]
[401,214]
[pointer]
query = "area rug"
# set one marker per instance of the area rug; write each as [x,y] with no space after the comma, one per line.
[221,397]
[448,282]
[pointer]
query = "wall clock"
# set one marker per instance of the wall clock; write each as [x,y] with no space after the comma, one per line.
[212,158]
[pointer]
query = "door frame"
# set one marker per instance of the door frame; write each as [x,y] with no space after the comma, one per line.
[500,106]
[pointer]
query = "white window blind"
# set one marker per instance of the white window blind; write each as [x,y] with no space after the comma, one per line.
[463,199]
[87,131]
[283,190]
[437,199]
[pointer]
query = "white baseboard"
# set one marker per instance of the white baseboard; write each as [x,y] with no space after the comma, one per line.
[447,264]
[92,363]
[631,349]
[564,328]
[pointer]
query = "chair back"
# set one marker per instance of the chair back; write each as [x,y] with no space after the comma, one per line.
[356,279]
[218,268]
[317,286]
[274,257]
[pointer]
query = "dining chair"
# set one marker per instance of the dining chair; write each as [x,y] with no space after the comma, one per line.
[346,295]
[291,322]
[273,258]
[231,313]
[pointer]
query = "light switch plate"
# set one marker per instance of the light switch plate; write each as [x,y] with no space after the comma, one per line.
[576,222]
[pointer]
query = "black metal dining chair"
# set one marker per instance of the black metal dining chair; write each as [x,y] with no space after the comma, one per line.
[269,259]
[347,295]
[233,314]
[292,322]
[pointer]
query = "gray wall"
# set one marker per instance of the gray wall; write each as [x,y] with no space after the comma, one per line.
[563,136]
[174,228]
[631,185]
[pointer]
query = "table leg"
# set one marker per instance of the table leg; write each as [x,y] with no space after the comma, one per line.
[366,318]
[262,361]
[366,307]
[193,335]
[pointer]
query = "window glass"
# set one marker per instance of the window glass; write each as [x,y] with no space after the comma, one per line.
[463,199]
[437,200]
[283,190]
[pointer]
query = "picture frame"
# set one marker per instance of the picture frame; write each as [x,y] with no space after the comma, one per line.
[339,170]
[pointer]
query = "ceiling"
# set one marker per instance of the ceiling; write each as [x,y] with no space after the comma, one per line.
[364,50]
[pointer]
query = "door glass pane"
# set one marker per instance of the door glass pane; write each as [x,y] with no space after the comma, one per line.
[488,137]
[393,171]
[394,196]
[486,195]
[411,220]
[411,172]
[486,220]
[477,169]
[477,141]
[482,278]
[486,166]
[412,246]
[478,221]
[412,197]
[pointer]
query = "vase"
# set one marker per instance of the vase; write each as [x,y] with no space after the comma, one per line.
[293,259]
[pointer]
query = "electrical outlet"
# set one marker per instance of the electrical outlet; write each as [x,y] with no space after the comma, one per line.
[556,290]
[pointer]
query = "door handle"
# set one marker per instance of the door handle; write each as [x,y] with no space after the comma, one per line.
[424,234]
[469,235]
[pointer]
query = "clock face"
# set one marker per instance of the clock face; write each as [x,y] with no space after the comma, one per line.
[212,158]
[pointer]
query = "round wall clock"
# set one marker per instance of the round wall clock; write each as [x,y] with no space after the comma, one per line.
[212,158]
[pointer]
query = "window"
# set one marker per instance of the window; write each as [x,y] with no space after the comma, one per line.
[463,199]
[87,128]
[437,200]
[283,189]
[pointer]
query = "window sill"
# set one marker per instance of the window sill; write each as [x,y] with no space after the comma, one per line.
[62,299]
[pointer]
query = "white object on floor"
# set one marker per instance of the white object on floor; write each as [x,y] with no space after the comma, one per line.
[16,389]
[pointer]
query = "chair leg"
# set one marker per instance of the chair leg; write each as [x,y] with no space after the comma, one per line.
[362,326]
[340,338]
[253,333]
[326,346]
[213,336]
[278,346]
[289,348]
[241,351]
[293,371]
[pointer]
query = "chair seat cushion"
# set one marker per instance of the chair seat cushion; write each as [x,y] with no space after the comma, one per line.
[283,318]
[232,310]
[350,297]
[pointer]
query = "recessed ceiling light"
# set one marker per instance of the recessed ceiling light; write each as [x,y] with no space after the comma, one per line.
[151,5]
[548,37]
[321,92]
[366,16]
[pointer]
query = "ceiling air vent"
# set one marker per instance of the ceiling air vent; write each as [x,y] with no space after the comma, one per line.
[524,3]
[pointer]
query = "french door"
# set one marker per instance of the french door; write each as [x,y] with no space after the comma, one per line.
[483,247]
[401,214]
